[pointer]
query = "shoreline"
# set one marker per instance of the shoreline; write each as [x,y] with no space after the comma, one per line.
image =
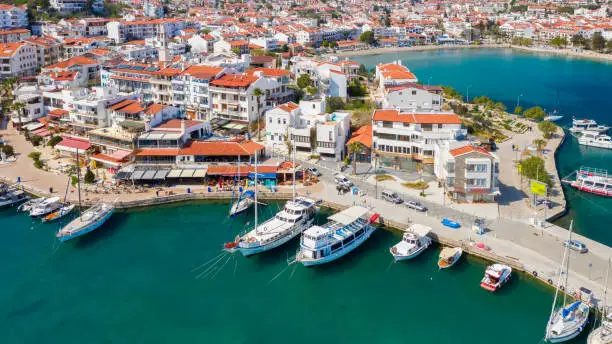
[568,53]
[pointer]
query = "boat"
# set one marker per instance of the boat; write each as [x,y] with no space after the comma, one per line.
[603,333]
[595,139]
[584,125]
[58,214]
[567,321]
[11,196]
[344,232]
[495,277]
[592,180]
[89,220]
[296,216]
[413,242]
[450,223]
[45,207]
[244,202]
[29,205]
[449,256]
[553,118]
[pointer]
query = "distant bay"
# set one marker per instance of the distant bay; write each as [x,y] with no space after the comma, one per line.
[572,86]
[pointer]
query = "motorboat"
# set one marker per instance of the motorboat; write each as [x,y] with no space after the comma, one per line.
[343,232]
[495,277]
[12,196]
[449,256]
[89,220]
[585,125]
[29,205]
[603,333]
[414,241]
[58,214]
[46,207]
[244,202]
[297,215]
[592,180]
[450,223]
[595,139]
[553,118]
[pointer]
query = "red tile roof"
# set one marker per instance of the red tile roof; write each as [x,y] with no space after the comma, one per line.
[234,80]
[468,149]
[209,148]
[75,61]
[395,116]
[74,143]
[290,106]
[268,71]
[362,135]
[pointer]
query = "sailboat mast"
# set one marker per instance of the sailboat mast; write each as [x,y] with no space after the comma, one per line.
[256,190]
[605,294]
[79,182]
[565,250]
[294,167]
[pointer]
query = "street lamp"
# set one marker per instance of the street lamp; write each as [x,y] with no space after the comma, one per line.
[468,94]
[518,99]
[429,81]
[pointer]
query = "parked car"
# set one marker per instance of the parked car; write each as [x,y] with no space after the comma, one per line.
[415,205]
[313,171]
[341,179]
[576,246]
[392,197]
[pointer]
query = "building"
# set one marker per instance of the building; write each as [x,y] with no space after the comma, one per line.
[413,135]
[12,17]
[48,49]
[468,173]
[68,6]
[17,59]
[31,97]
[190,90]
[87,70]
[130,77]
[393,74]
[14,35]
[233,99]
[411,97]
[153,8]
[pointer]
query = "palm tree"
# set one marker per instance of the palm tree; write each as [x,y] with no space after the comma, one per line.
[258,93]
[355,148]
[18,107]
[540,144]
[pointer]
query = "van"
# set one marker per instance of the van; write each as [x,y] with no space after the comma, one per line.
[342,180]
[392,197]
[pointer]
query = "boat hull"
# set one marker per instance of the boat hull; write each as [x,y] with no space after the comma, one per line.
[249,251]
[356,243]
[595,337]
[591,190]
[443,264]
[91,227]
[399,257]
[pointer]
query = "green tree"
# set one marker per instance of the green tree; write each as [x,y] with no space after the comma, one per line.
[609,44]
[257,93]
[355,148]
[8,150]
[34,156]
[367,37]
[304,81]
[578,40]
[18,108]
[90,177]
[313,138]
[518,110]
[450,92]
[533,168]
[500,106]
[312,90]
[535,112]
[356,89]
[547,128]
[36,140]
[558,42]
[540,144]
[334,104]
[236,51]
[325,44]
[598,43]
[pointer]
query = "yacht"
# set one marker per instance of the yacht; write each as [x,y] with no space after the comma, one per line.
[60,213]
[297,215]
[602,334]
[595,139]
[414,241]
[592,180]
[11,196]
[495,277]
[344,232]
[584,125]
[46,207]
[86,222]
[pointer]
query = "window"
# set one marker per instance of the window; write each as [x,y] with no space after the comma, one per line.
[387,124]
[450,167]
[414,92]
[284,121]
[450,181]
[477,168]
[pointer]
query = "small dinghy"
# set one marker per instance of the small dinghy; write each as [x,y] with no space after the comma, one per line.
[450,223]
[29,205]
[449,256]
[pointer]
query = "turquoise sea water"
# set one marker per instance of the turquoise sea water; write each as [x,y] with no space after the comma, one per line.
[571,86]
[132,282]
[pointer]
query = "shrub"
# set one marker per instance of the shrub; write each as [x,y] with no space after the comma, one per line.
[90,177]
[8,150]
[382,177]
[34,155]
[535,112]
[533,168]
[38,164]
[547,128]
[54,140]
[74,180]
[416,185]
[36,140]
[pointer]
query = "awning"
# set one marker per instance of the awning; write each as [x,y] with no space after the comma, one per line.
[148,175]
[33,126]
[176,173]
[105,159]
[42,132]
[187,173]
[124,175]
[161,174]
[200,173]
[263,175]
[137,175]
[72,144]
[120,154]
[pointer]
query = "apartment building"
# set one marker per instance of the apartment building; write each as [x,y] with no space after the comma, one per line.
[394,74]
[161,83]
[411,97]
[468,173]
[128,77]
[129,30]
[413,135]
[88,69]
[190,90]
[48,49]
[31,97]
[274,84]
[328,77]
[14,35]
[17,59]
[65,7]
[12,17]
[232,97]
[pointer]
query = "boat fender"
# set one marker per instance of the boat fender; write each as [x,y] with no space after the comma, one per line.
[549,281]
[535,273]
[562,288]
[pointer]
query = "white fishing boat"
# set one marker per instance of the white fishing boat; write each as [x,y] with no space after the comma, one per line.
[595,139]
[58,214]
[344,232]
[603,333]
[414,241]
[495,277]
[88,221]
[449,256]
[553,118]
[568,320]
[244,202]
[585,125]
[46,207]
[12,196]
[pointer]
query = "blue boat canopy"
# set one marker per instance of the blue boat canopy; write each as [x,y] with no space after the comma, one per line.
[248,193]
[566,311]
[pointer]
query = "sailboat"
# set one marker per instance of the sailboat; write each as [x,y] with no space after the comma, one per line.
[569,320]
[88,220]
[603,334]
[244,201]
[296,216]
[64,210]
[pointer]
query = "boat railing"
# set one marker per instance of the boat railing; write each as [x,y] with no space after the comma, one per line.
[599,172]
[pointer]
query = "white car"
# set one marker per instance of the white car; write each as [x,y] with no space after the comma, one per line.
[415,205]
[342,180]
[313,171]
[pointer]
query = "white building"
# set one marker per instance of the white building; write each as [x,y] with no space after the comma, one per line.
[129,30]
[393,74]
[153,9]
[411,98]
[12,16]
[232,97]
[413,135]
[328,77]
[31,96]
[468,173]
[17,59]
[14,35]
[68,6]
[190,89]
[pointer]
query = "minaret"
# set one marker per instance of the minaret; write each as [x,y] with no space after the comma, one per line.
[162,52]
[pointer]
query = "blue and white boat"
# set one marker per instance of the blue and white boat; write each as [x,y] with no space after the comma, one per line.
[450,223]
[244,202]
[553,118]
[90,220]
[413,243]
[344,232]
